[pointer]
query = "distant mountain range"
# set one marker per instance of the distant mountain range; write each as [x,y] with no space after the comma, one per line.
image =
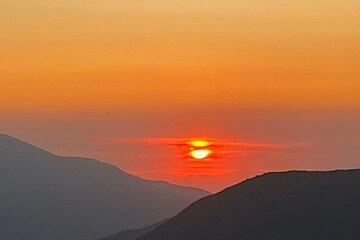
[275,206]
[48,197]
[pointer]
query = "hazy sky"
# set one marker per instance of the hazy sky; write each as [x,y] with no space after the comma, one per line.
[76,74]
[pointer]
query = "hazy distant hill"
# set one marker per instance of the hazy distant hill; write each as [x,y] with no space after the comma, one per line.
[206,182]
[275,206]
[47,197]
[135,233]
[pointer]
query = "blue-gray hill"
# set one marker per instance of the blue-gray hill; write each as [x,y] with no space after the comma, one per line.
[48,197]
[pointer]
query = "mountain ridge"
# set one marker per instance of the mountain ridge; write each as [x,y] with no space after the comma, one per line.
[280,205]
[17,140]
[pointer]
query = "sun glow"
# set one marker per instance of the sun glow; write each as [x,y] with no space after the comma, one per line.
[199,143]
[200,154]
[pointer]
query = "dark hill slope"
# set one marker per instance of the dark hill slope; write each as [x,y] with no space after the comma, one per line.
[134,233]
[47,197]
[275,206]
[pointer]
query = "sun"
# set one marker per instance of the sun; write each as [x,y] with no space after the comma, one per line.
[200,154]
[199,149]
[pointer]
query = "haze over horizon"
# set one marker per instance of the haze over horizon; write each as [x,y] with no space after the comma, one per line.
[78,76]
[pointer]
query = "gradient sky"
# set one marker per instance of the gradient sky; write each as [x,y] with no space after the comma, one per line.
[78,75]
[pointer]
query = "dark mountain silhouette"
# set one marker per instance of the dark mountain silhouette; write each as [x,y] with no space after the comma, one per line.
[276,206]
[135,233]
[47,197]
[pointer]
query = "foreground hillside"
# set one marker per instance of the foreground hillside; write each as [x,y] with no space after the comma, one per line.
[276,206]
[47,197]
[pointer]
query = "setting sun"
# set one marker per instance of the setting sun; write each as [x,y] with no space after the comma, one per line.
[199,149]
[200,154]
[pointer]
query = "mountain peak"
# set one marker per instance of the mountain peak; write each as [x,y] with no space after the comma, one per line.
[7,138]
[15,147]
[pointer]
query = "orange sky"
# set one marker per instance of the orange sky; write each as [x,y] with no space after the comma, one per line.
[77,69]
[130,54]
